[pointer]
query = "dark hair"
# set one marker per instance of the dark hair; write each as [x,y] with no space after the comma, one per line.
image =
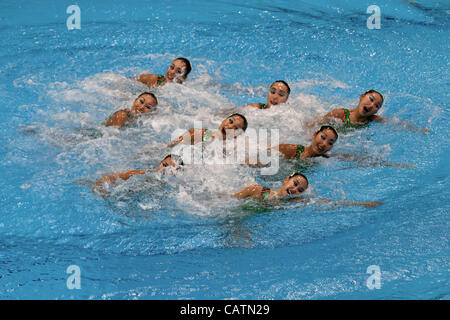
[285,83]
[243,118]
[374,91]
[150,94]
[187,63]
[298,174]
[175,158]
[323,128]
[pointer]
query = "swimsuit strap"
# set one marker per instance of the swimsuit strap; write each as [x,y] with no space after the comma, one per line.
[264,191]
[160,80]
[298,152]
[346,118]
[206,134]
[262,106]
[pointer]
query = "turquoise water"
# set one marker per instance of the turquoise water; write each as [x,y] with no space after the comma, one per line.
[171,237]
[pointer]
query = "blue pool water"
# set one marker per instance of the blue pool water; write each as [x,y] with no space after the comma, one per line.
[171,237]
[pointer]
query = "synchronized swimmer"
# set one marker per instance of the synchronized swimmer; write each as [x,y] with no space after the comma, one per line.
[235,124]
[169,163]
[323,141]
[231,127]
[293,187]
[278,93]
[177,71]
[144,103]
[370,102]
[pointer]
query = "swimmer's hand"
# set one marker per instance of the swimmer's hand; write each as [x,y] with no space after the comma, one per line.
[102,184]
[173,143]
[254,163]
[192,136]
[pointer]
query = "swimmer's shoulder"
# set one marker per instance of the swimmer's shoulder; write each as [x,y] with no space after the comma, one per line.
[258,105]
[250,191]
[288,150]
[118,118]
[148,79]
[337,113]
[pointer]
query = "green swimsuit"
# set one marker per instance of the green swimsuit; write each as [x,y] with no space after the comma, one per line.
[160,80]
[207,134]
[347,123]
[262,106]
[298,152]
[346,118]
[264,191]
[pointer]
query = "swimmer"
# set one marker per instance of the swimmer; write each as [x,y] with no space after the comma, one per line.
[169,162]
[278,93]
[323,140]
[144,103]
[177,71]
[293,186]
[370,102]
[230,128]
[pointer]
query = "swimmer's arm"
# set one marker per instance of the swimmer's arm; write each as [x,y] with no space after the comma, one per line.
[118,119]
[369,204]
[350,157]
[346,156]
[288,150]
[253,105]
[337,113]
[192,136]
[405,124]
[394,165]
[112,179]
[148,79]
[251,191]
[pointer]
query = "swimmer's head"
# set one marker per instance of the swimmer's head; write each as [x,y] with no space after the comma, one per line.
[370,102]
[178,70]
[170,161]
[233,125]
[278,93]
[295,184]
[144,103]
[324,139]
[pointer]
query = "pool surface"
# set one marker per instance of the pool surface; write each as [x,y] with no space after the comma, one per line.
[175,236]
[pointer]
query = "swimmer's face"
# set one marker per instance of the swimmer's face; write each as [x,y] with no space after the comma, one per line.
[232,126]
[176,71]
[293,186]
[278,93]
[145,103]
[323,141]
[167,163]
[369,104]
